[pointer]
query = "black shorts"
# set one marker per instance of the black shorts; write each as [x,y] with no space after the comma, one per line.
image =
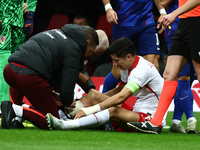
[186,39]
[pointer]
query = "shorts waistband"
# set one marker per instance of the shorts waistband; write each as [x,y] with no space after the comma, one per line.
[22,70]
[18,64]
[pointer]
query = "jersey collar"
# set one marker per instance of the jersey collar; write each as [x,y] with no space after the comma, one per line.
[137,58]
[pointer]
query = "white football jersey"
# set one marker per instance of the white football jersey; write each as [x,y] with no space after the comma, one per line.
[151,83]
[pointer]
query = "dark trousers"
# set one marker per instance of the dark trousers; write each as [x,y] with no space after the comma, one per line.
[37,91]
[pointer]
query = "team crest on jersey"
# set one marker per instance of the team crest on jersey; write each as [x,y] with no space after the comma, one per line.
[2,39]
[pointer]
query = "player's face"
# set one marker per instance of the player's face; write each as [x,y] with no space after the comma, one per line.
[80,21]
[122,63]
[97,52]
[90,51]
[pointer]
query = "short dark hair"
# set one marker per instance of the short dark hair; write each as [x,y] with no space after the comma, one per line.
[121,47]
[91,35]
[79,16]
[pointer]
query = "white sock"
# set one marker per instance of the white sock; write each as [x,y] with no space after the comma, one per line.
[18,110]
[19,118]
[176,121]
[88,121]
[192,118]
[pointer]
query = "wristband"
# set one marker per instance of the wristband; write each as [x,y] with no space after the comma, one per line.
[108,6]
[162,11]
[92,109]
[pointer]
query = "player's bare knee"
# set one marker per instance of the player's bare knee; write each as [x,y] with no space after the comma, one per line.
[113,111]
[91,94]
[170,76]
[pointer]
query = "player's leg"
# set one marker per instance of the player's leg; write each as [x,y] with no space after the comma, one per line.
[112,79]
[169,89]
[153,58]
[37,91]
[184,98]
[89,121]
[42,100]
[193,34]
[191,123]
[148,45]
[175,62]
[92,98]
[121,116]
[117,114]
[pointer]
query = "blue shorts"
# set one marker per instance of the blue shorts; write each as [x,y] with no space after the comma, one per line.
[145,38]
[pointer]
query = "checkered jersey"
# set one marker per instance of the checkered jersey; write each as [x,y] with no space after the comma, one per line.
[11,11]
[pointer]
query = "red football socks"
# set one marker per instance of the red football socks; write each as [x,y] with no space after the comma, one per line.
[167,94]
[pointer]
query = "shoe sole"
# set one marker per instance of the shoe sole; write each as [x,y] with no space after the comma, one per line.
[48,120]
[191,131]
[176,131]
[140,130]
[51,121]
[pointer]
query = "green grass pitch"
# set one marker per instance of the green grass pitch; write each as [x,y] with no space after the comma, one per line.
[33,138]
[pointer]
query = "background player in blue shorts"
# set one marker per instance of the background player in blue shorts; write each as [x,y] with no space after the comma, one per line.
[133,20]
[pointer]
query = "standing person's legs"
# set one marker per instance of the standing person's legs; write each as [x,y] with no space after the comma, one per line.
[197,68]
[174,63]
[4,92]
[183,100]
[11,38]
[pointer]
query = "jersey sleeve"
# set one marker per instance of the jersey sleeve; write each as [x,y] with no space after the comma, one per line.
[141,75]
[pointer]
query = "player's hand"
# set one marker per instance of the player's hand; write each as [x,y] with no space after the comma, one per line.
[82,78]
[80,114]
[0,24]
[73,105]
[24,7]
[68,110]
[111,16]
[160,27]
[168,19]
[28,27]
